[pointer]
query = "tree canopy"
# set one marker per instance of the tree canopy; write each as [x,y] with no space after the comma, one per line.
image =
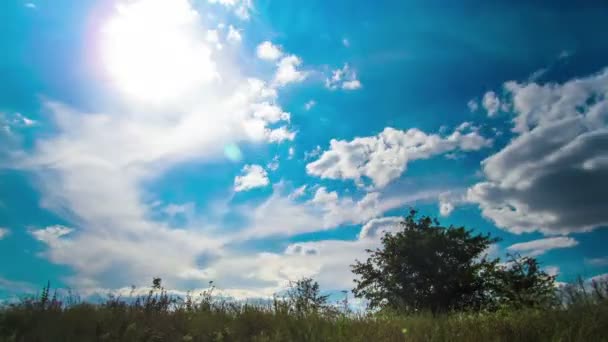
[425,266]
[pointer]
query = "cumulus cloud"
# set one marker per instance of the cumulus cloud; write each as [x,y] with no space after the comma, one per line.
[254,176]
[491,103]
[375,228]
[344,78]
[281,215]
[107,157]
[541,246]
[268,51]
[384,157]
[552,176]
[287,71]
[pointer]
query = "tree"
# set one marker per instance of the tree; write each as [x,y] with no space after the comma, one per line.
[425,266]
[304,296]
[522,283]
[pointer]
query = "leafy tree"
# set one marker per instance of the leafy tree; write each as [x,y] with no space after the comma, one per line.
[522,283]
[425,266]
[304,296]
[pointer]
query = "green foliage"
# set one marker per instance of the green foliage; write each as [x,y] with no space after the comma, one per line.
[428,267]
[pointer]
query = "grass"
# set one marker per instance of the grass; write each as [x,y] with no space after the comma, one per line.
[158,317]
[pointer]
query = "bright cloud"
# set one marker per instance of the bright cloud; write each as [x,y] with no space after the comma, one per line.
[384,157]
[80,166]
[541,246]
[344,78]
[551,176]
[491,103]
[269,51]
[254,176]
[233,36]
[287,71]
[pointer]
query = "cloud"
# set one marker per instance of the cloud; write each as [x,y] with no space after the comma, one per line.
[541,246]
[472,105]
[344,78]
[4,232]
[254,176]
[268,51]
[241,8]
[384,157]
[552,176]
[287,71]
[51,235]
[179,209]
[446,205]
[308,105]
[30,5]
[109,157]
[345,42]
[233,36]
[375,228]
[597,261]
[491,103]
[288,215]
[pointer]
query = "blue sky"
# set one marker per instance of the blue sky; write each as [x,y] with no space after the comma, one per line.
[255,142]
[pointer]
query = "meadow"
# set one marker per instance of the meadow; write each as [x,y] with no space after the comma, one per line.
[582,315]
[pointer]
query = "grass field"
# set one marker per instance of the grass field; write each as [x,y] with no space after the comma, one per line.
[157,317]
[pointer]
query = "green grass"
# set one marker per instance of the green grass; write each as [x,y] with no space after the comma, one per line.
[158,317]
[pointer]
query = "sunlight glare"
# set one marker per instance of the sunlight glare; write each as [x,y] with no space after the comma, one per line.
[154,50]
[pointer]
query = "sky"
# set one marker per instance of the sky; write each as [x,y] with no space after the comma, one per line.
[255,142]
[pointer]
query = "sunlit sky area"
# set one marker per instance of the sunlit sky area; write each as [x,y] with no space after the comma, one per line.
[254,142]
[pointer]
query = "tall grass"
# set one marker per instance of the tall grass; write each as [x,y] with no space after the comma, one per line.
[582,316]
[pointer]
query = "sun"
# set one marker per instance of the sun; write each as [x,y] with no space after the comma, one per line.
[154,50]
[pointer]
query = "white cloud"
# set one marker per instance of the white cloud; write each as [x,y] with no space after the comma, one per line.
[446,206]
[241,8]
[254,176]
[351,85]
[287,71]
[541,246]
[233,36]
[120,151]
[472,105]
[51,235]
[287,215]
[551,176]
[375,228]
[291,152]
[213,37]
[491,103]
[308,105]
[4,232]
[268,51]
[344,78]
[384,157]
